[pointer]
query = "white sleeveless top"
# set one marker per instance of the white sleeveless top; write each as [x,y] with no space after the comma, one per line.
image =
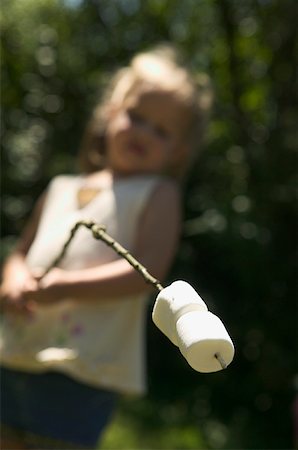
[100,343]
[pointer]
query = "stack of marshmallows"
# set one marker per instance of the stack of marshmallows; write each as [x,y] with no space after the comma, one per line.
[181,314]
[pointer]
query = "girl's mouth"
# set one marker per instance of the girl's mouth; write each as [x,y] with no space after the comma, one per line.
[136,149]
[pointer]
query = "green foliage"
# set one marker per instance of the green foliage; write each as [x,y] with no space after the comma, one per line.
[238,242]
[139,426]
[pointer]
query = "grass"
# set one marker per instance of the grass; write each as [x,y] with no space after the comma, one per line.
[140,430]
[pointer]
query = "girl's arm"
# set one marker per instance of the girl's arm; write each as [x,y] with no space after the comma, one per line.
[155,247]
[15,273]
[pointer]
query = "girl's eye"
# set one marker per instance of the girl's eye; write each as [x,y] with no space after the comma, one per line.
[135,117]
[161,132]
[158,130]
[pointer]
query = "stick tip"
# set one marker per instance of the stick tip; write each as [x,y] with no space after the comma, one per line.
[221,360]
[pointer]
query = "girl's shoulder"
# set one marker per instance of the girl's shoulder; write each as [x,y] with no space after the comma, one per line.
[162,183]
[145,189]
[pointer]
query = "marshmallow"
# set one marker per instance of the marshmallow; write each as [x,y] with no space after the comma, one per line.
[173,302]
[181,314]
[201,335]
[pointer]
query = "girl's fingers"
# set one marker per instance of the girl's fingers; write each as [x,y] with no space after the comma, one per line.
[37,273]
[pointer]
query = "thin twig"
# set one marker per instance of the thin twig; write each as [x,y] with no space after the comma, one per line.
[99,233]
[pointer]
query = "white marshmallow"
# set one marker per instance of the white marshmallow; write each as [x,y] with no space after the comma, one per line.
[181,314]
[202,335]
[173,302]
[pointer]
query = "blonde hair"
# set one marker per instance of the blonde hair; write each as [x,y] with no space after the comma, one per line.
[160,68]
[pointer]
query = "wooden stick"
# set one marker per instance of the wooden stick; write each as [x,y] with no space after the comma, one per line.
[99,232]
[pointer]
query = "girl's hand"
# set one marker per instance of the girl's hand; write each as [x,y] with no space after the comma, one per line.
[12,299]
[47,290]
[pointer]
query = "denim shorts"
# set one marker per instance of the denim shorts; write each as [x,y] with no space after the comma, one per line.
[53,408]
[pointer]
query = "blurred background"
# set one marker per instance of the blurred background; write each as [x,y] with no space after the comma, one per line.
[238,243]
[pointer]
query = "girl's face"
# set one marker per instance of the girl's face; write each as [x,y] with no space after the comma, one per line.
[147,133]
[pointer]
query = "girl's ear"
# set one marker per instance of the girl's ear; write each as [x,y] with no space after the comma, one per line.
[182,153]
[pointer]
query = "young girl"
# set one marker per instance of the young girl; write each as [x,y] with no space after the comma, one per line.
[74,339]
